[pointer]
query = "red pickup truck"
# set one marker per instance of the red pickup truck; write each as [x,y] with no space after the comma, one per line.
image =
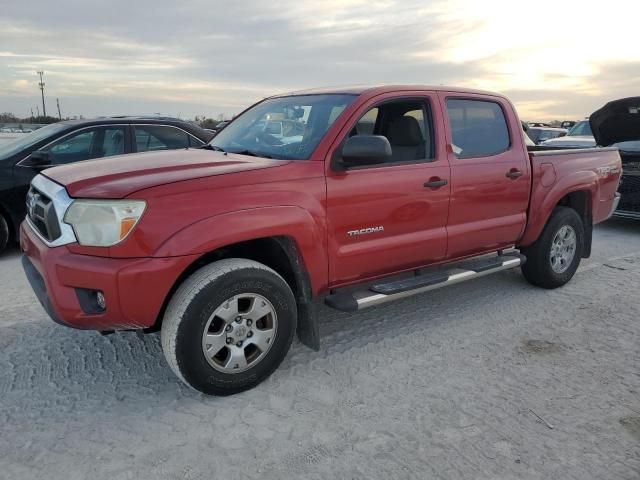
[378,194]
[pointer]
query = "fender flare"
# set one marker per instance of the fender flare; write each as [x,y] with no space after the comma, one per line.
[295,230]
[582,181]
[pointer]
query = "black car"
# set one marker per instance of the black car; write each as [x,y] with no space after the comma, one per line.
[75,140]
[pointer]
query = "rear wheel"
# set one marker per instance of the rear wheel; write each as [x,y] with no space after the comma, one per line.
[4,233]
[554,258]
[229,326]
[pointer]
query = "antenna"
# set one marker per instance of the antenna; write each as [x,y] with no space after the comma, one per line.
[41,84]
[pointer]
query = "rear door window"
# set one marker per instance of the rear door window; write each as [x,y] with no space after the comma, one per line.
[478,128]
[88,143]
[159,137]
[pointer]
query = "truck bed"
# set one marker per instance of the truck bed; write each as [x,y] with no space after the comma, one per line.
[593,173]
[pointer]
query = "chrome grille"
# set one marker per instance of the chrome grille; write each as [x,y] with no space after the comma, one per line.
[630,191]
[42,214]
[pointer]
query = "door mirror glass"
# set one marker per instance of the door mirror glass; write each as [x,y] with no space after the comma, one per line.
[365,150]
[39,159]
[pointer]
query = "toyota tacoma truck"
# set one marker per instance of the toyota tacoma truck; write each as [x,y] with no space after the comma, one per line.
[386,192]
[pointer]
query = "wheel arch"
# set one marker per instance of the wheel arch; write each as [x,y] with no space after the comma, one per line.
[581,202]
[280,253]
[576,191]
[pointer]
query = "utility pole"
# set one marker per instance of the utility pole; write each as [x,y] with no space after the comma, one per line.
[32,115]
[58,103]
[38,111]
[41,84]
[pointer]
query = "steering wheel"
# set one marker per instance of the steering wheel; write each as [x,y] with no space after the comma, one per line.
[267,139]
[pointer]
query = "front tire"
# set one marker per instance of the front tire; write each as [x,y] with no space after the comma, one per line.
[554,258]
[229,326]
[4,233]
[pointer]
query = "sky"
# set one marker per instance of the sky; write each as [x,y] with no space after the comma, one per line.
[557,59]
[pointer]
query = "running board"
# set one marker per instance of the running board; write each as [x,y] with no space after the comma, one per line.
[382,292]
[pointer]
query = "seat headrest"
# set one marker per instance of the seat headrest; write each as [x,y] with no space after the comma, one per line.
[117,136]
[405,131]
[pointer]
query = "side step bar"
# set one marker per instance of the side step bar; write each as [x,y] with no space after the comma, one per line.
[382,292]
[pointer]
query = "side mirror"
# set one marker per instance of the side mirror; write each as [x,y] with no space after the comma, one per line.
[365,150]
[563,134]
[39,159]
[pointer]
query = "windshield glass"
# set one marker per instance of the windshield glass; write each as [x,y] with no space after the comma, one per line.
[29,139]
[631,146]
[287,128]
[580,128]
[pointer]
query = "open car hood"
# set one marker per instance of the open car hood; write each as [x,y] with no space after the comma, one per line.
[617,121]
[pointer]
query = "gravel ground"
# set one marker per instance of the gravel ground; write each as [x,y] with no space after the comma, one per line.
[492,379]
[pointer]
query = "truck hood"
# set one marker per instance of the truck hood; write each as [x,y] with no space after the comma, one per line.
[117,177]
[617,121]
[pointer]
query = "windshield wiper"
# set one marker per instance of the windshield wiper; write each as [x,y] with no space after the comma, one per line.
[215,148]
[252,154]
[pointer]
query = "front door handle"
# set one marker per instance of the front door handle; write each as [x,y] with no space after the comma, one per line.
[514,173]
[435,183]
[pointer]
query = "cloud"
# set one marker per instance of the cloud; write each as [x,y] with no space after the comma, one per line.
[207,57]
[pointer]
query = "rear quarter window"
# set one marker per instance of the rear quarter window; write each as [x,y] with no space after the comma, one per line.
[478,128]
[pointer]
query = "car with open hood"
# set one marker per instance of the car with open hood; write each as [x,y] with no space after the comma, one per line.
[618,124]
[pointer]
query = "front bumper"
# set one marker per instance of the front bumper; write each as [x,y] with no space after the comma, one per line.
[626,214]
[135,288]
[629,205]
[614,206]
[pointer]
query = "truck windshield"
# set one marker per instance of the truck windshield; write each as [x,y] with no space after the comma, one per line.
[286,128]
[580,128]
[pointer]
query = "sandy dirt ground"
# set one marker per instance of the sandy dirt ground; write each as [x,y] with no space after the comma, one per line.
[492,379]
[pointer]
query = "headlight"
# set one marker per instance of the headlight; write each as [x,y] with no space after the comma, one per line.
[103,223]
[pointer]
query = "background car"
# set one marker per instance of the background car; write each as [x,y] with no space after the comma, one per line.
[629,188]
[76,140]
[567,124]
[219,126]
[541,134]
[580,136]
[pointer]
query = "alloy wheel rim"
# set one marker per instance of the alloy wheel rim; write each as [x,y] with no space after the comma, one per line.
[563,249]
[239,333]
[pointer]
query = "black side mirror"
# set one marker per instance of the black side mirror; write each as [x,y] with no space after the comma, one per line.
[40,159]
[365,150]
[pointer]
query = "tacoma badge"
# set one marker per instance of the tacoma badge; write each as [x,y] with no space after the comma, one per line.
[365,231]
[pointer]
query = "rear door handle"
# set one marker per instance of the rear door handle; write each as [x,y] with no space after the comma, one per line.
[514,173]
[436,183]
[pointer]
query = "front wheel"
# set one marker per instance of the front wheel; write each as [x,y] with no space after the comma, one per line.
[4,233]
[554,258]
[229,326]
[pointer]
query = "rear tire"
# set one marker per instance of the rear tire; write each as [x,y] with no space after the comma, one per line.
[4,233]
[229,326]
[554,258]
